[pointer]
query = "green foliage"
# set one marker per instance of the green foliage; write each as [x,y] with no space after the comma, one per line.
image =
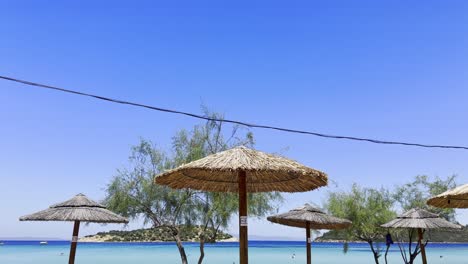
[415,194]
[132,192]
[367,208]
[189,233]
[370,208]
[216,209]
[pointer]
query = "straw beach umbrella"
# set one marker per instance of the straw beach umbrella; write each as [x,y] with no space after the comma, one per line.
[455,198]
[242,170]
[309,217]
[78,209]
[420,219]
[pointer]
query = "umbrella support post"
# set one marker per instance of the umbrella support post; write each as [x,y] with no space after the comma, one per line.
[423,250]
[243,240]
[76,229]
[308,241]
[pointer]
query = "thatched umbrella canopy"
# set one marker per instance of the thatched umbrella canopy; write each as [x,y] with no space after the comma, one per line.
[78,209]
[243,170]
[309,217]
[420,219]
[455,198]
[264,172]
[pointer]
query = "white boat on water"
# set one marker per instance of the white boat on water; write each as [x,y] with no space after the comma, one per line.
[43,243]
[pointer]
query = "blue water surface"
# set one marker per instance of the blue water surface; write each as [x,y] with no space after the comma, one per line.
[271,252]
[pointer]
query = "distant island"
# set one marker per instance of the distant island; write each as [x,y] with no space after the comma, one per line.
[188,233]
[440,236]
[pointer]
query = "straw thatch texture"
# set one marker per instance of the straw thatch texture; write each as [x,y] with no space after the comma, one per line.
[419,218]
[264,172]
[318,219]
[455,198]
[79,208]
[80,200]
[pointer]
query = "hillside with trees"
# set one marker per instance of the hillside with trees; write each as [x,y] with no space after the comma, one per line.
[162,234]
[443,236]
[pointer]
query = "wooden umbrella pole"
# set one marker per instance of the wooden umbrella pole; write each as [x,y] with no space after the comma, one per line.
[308,241]
[423,250]
[76,229]
[243,241]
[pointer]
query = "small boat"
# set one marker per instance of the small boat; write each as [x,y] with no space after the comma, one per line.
[43,243]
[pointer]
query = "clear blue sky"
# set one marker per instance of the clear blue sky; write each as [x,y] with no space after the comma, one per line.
[394,70]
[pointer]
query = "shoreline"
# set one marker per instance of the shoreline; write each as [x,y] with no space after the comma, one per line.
[103,240]
[231,240]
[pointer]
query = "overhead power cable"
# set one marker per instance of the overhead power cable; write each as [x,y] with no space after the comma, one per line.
[250,125]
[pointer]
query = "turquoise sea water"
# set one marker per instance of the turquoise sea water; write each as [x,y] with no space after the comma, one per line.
[271,252]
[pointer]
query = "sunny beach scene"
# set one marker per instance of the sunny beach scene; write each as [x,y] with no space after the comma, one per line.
[214,132]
